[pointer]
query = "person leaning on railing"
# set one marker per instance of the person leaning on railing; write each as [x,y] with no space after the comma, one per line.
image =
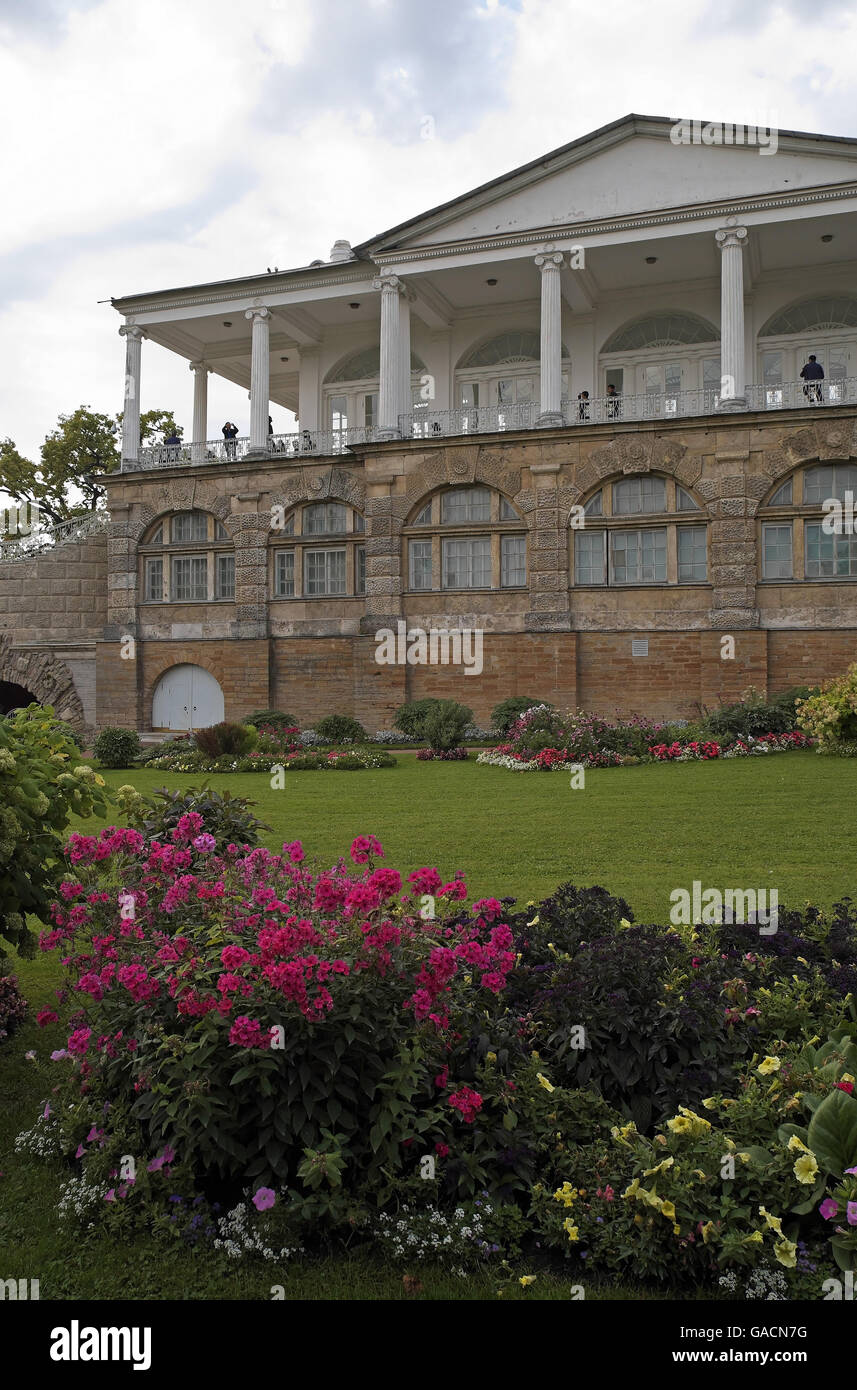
[614,404]
[230,433]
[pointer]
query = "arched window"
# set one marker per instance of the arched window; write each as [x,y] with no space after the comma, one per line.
[807,525]
[468,537]
[662,355]
[326,557]
[351,389]
[661,331]
[187,557]
[635,536]
[825,327]
[502,371]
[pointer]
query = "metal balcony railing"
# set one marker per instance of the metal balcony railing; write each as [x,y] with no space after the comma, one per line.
[488,419]
[78,528]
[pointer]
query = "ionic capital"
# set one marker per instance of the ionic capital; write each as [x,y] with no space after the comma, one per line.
[132,331]
[727,237]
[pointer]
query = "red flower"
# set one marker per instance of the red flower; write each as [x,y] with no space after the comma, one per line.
[847,1086]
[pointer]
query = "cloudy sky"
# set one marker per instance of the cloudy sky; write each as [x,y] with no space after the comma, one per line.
[176,141]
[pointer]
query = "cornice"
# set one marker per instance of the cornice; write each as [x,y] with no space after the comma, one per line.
[600,226]
[264,288]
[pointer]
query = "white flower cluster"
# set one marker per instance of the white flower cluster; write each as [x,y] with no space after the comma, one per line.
[425,1232]
[79,1200]
[492,759]
[42,1141]
[238,1238]
[391,737]
[766,1282]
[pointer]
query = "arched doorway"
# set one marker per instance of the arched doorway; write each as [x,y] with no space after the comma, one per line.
[14,696]
[186,697]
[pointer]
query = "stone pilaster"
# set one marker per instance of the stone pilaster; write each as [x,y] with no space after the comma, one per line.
[131,411]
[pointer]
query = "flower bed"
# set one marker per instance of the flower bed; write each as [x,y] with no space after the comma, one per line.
[351,759]
[449,755]
[347,1054]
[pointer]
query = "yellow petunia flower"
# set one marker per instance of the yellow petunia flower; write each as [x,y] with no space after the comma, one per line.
[676,1230]
[490,1056]
[668,1210]
[526,1279]
[708,1230]
[535,921]
[623,922]
[775,1223]
[631,1190]
[543,1081]
[755,1239]
[659,1167]
[786,1252]
[680,1125]
[796,1143]
[710,1104]
[569,1226]
[767,1065]
[806,1168]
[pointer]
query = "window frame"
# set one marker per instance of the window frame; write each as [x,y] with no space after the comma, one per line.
[425,534]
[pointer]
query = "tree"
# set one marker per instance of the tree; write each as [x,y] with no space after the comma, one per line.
[83,447]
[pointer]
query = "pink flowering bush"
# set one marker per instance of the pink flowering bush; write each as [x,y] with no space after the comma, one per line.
[244,1004]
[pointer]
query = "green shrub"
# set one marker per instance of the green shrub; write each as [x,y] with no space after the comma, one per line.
[755,715]
[227,817]
[41,785]
[13,1006]
[503,716]
[444,725]
[226,737]
[340,728]
[273,717]
[830,714]
[117,747]
[411,718]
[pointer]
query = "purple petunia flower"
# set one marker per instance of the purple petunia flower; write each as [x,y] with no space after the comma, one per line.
[266,1197]
[828,1209]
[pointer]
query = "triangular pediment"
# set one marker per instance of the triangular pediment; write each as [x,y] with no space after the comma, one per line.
[634,167]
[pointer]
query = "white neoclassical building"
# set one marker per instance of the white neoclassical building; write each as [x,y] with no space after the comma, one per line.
[683,278]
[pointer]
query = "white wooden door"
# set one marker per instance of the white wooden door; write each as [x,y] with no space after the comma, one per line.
[187,697]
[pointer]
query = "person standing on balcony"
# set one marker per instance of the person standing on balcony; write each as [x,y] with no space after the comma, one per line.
[230,433]
[583,407]
[172,442]
[614,405]
[812,374]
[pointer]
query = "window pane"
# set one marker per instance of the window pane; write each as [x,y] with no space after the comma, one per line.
[419,553]
[639,557]
[692,553]
[829,556]
[324,519]
[594,506]
[157,537]
[683,500]
[776,552]
[507,511]
[831,480]
[783,495]
[284,574]
[370,409]
[589,557]
[467,563]
[324,572]
[639,495]
[513,561]
[359,523]
[155,580]
[339,412]
[220,531]
[360,569]
[190,578]
[424,517]
[466,504]
[225,576]
[190,526]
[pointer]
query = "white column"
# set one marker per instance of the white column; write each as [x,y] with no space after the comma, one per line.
[200,411]
[390,383]
[550,263]
[131,412]
[405,404]
[731,241]
[260,368]
[309,391]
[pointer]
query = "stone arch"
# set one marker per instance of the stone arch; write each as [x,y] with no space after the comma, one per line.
[827,442]
[320,485]
[639,454]
[49,679]
[180,497]
[455,466]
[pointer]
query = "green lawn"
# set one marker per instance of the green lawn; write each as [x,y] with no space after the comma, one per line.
[782,822]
